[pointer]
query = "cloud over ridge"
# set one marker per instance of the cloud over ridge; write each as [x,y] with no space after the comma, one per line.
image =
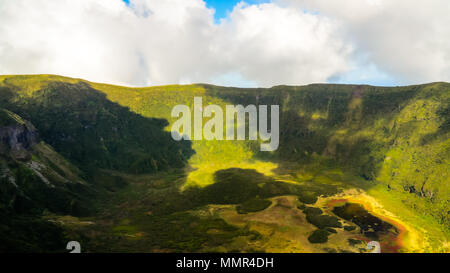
[153,42]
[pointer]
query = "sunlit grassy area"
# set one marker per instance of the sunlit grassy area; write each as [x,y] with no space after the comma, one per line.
[391,143]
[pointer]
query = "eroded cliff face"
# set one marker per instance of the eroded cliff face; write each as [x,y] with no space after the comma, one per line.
[33,177]
[17,140]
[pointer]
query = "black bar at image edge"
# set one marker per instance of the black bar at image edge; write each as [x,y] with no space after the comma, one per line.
[206,262]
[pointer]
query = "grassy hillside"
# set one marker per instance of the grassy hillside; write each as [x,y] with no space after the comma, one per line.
[34,179]
[80,123]
[392,142]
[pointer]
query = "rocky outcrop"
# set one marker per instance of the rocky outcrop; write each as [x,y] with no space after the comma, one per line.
[17,140]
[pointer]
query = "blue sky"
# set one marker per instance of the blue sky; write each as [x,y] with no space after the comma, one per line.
[223,7]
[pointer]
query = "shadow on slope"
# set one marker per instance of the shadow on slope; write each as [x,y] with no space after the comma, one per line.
[93,132]
[332,122]
[232,186]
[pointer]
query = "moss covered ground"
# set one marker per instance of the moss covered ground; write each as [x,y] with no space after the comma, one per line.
[392,144]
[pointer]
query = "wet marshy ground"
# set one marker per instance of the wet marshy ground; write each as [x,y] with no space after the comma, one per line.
[371,226]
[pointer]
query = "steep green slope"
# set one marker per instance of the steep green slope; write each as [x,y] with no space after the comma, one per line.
[397,139]
[81,124]
[34,179]
[395,136]
[34,176]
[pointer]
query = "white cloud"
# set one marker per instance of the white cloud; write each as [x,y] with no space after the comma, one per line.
[274,45]
[408,39]
[75,38]
[170,41]
[154,42]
